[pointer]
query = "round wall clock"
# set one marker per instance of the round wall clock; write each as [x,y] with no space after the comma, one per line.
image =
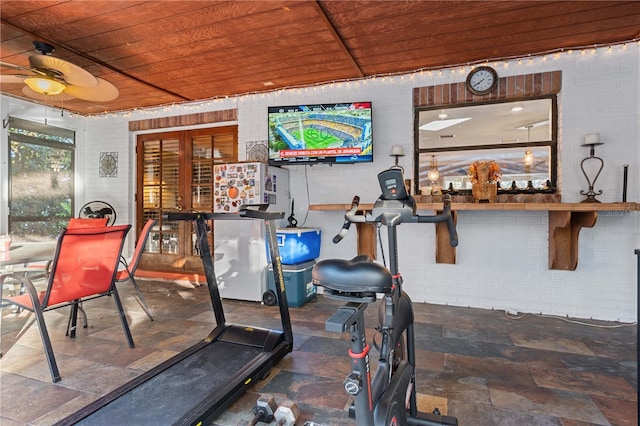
[482,80]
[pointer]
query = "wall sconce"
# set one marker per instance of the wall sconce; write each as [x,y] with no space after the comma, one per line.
[591,140]
[396,151]
[45,85]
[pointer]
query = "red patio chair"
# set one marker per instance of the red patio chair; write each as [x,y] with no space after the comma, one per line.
[81,222]
[130,267]
[84,267]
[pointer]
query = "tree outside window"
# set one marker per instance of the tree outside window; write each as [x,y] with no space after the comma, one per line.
[41,180]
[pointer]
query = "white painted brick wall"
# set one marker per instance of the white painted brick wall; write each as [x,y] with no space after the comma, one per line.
[502,259]
[110,135]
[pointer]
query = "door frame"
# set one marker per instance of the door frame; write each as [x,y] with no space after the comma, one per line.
[184,260]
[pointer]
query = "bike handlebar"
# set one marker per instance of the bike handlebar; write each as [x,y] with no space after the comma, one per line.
[445,216]
[395,218]
[347,223]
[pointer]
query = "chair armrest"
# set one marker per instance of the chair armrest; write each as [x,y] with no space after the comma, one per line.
[24,281]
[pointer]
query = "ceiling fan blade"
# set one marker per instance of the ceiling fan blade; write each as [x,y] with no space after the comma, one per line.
[103,92]
[26,90]
[12,78]
[13,66]
[71,73]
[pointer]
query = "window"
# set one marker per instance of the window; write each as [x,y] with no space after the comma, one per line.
[41,180]
[519,135]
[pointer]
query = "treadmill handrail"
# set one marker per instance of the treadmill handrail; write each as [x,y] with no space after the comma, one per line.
[248,211]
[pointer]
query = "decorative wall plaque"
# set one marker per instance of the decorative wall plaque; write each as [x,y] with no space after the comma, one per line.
[257,151]
[108,166]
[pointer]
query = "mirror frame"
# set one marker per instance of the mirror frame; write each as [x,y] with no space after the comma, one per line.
[552,143]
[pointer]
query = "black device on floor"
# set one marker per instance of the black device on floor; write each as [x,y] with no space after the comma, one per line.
[390,397]
[195,386]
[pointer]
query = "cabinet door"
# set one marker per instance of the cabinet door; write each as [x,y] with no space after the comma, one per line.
[175,173]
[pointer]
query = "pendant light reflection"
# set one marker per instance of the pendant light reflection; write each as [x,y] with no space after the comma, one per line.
[528,158]
[433,174]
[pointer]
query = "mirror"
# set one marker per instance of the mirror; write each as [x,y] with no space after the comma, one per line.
[519,135]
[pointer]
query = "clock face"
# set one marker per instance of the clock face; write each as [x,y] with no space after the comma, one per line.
[482,80]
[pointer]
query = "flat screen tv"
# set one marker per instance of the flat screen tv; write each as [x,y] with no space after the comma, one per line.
[319,134]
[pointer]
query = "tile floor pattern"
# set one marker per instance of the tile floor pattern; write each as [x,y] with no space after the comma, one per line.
[475,364]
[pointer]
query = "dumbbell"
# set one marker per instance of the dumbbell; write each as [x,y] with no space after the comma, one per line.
[264,410]
[287,414]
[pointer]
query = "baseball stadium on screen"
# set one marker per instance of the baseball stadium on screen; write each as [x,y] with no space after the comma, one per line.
[321,133]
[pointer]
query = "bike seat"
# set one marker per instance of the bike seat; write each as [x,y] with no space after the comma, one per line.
[355,278]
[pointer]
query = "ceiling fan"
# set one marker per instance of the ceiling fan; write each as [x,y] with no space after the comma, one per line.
[53,79]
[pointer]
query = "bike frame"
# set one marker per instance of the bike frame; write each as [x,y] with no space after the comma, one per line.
[376,401]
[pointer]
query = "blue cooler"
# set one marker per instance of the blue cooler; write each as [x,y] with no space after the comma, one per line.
[298,245]
[297,284]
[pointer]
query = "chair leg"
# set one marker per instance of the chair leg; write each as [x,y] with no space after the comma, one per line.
[72,323]
[85,322]
[123,318]
[44,334]
[143,303]
[46,342]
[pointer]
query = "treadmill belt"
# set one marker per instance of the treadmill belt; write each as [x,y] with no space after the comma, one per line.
[166,397]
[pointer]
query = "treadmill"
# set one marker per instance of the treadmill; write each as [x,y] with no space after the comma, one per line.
[196,385]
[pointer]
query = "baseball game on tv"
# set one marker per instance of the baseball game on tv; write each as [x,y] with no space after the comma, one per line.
[321,133]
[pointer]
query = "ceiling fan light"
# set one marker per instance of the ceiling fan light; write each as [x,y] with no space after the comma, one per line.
[45,86]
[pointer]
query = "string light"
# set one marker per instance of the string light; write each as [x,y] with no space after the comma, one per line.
[429,71]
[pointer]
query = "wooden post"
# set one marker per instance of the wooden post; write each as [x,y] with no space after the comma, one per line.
[366,237]
[444,252]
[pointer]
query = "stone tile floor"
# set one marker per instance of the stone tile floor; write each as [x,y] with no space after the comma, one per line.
[475,364]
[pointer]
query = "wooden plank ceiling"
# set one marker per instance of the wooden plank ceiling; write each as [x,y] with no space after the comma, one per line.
[166,52]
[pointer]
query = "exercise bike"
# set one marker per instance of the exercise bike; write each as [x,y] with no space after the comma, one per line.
[390,398]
